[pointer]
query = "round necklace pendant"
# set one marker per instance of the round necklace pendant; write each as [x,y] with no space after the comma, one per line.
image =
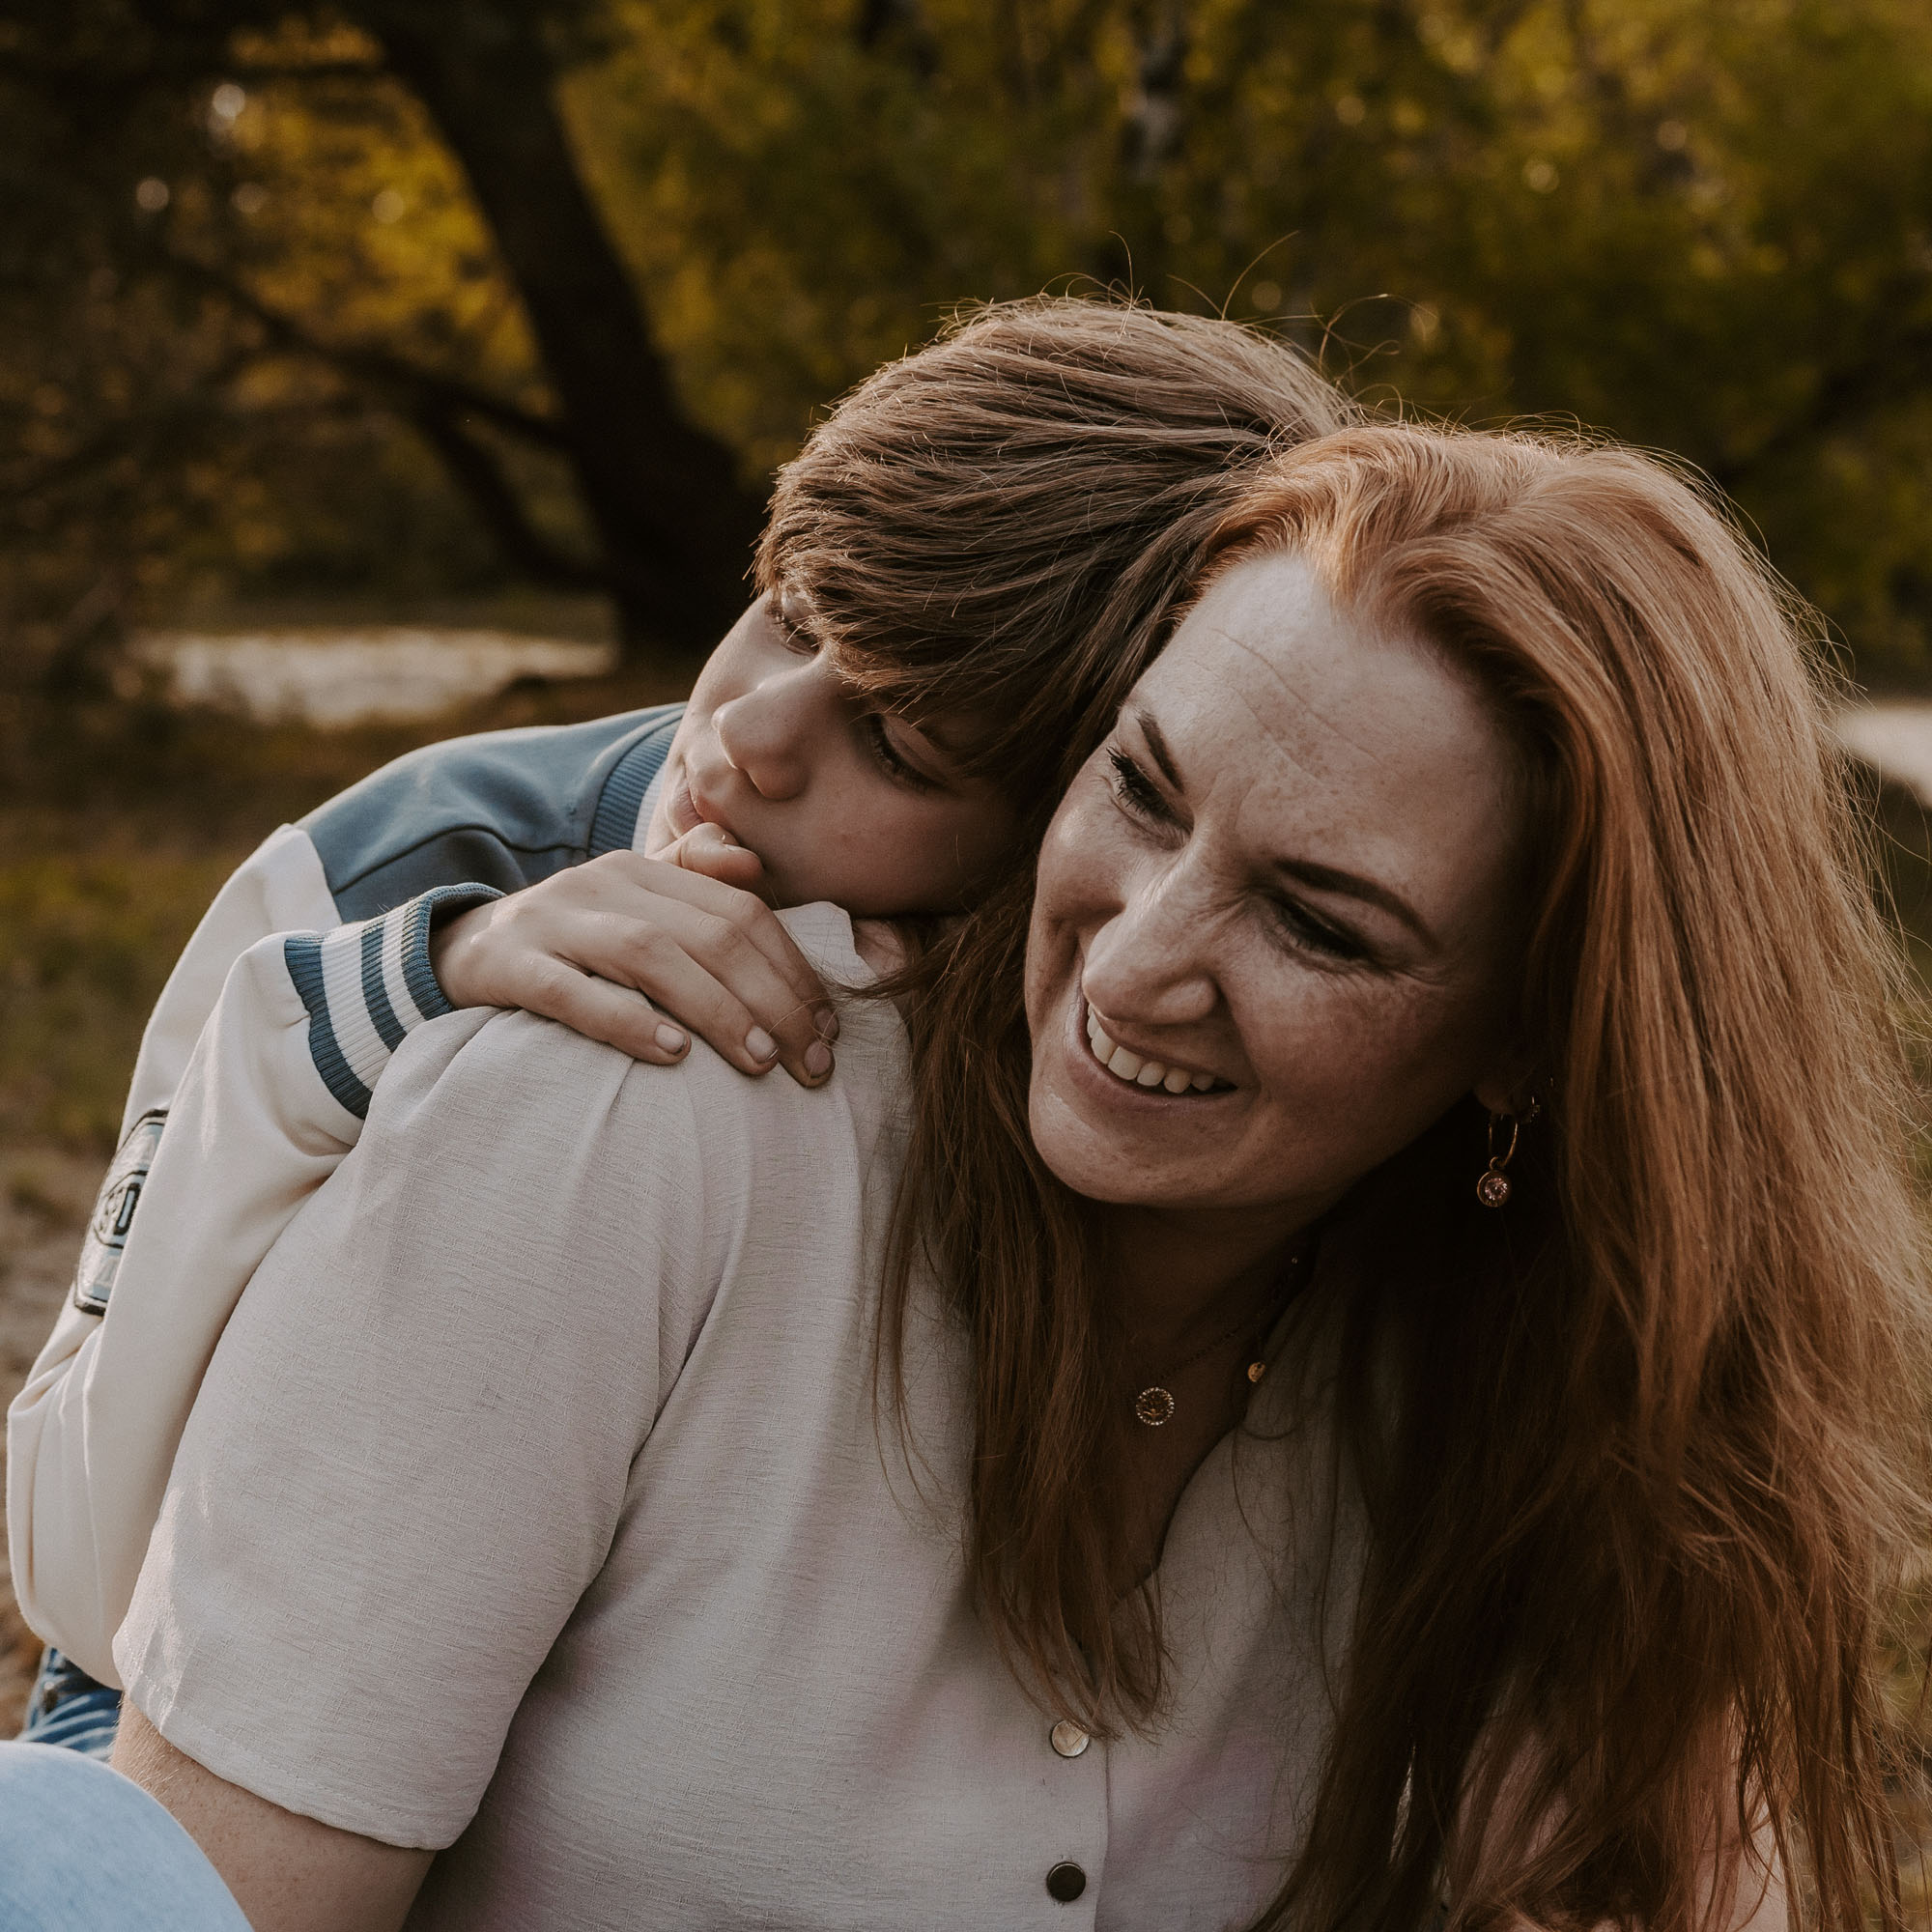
[1154,1405]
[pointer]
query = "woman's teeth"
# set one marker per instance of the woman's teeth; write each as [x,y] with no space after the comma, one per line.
[1117,1060]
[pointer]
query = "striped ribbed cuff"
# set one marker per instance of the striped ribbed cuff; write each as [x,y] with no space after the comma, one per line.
[368,986]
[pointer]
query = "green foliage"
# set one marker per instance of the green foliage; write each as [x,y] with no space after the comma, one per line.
[86,939]
[1705,225]
[201,297]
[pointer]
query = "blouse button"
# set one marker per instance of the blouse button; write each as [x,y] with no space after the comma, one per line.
[1065,1881]
[1069,1740]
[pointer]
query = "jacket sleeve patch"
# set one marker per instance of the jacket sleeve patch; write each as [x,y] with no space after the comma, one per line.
[114,1213]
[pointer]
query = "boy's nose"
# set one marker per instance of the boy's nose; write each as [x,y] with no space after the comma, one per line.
[765,733]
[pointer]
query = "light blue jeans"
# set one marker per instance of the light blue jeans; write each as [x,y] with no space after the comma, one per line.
[82,1846]
[69,1709]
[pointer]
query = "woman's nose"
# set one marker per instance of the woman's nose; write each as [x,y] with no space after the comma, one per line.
[766,732]
[1150,962]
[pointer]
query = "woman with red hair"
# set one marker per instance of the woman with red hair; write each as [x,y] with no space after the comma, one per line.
[1376,1376]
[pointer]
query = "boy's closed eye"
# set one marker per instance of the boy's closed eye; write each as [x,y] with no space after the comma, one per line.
[900,750]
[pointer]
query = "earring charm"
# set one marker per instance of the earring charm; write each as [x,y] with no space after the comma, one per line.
[1493,1184]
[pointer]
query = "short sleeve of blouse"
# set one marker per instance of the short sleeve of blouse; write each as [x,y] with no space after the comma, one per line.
[412,1449]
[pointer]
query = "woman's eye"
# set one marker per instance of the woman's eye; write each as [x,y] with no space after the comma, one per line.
[888,757]
[1135,790]
[1141,798]
[1305,930]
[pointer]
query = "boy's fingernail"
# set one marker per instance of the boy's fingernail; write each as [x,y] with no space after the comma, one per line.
[826,1021]
[818,1059]
[760,1044]
[670,1039]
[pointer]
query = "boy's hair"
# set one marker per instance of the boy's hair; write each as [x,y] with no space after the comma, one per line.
[1000,523]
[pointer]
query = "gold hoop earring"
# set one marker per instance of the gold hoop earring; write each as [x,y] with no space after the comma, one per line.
[1493,1184]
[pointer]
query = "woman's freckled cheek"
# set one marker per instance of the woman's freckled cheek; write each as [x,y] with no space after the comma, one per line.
[1351,1037]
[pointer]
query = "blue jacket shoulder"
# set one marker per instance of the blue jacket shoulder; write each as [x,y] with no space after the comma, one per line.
[501,809]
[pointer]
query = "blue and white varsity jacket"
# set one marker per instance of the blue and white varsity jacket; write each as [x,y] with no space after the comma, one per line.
[255,1071]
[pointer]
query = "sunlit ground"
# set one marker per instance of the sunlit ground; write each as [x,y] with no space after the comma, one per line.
[335,677]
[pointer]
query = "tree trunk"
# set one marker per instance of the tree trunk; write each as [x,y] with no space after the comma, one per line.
[674,525]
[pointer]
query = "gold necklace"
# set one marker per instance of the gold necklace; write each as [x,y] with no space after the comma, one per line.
[1155,1404]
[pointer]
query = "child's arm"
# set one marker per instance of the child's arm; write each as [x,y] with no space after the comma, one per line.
[686,931]
[273,1096]
[281,884]
[280,887]
[256,1114]
[253,1131]
[505,808]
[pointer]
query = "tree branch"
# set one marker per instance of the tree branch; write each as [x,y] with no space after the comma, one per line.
[21,483]
[435,404]
[476,473]
[379,368]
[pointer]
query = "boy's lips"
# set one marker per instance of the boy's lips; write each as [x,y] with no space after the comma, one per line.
[687,814]
[686,809]
[681,810]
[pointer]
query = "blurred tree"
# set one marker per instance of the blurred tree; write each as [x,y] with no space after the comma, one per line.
[380,327]
[1705,225]
[525,346]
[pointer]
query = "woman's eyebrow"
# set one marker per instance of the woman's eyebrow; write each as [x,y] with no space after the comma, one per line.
[1305,871]
[1351,885]
[1158,745]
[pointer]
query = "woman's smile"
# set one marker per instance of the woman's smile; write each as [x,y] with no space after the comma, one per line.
[1144,1074]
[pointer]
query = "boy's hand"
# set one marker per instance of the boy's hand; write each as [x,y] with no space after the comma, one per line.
[687,931]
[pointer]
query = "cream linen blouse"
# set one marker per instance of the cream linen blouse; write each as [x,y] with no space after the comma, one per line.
[535,1509]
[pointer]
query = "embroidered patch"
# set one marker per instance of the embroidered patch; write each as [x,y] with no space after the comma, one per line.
[114,1213]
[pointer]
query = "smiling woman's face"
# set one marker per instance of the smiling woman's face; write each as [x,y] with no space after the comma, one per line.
[1280,904]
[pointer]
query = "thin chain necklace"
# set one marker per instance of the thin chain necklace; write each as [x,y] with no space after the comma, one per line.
[1155,1404]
